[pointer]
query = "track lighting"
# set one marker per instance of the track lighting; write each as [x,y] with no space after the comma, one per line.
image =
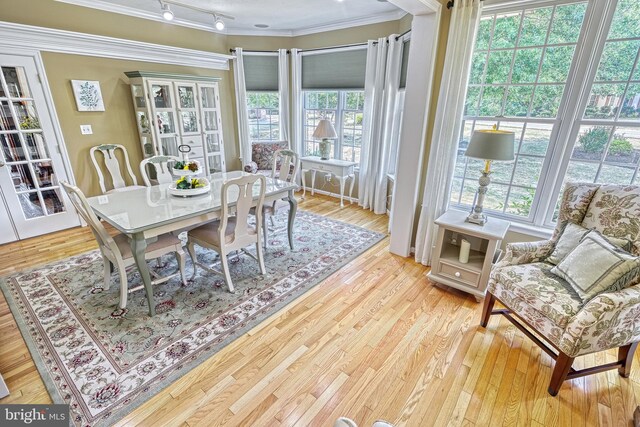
[167,14]
[219,23]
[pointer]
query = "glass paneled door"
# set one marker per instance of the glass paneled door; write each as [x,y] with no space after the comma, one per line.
[31,200]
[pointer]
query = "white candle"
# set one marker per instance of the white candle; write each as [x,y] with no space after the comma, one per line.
[465,248]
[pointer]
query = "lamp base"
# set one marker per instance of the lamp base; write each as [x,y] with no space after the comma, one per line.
[477,218]
[325,149]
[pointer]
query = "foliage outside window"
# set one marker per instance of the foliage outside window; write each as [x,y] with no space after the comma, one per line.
[519,70]
[522,62]
[264,116]
[607,144]
[345,110]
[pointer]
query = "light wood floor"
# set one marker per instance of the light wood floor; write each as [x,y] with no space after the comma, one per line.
[376,340]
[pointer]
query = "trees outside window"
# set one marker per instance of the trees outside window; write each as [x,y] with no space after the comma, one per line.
[523,62]
[345,109]
[264,116]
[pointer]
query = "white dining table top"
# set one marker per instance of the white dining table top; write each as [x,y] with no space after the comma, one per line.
[141,209]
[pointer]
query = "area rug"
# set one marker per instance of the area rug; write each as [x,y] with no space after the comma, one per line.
[105,362]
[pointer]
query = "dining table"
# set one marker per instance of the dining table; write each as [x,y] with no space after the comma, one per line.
[143,214]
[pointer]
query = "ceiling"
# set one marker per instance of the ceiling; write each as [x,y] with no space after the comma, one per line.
[284,17]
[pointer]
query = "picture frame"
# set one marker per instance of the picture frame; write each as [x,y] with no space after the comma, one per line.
[88,95]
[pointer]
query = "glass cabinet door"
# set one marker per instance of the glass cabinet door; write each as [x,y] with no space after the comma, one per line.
[163,117]
[187,109]
[211,127]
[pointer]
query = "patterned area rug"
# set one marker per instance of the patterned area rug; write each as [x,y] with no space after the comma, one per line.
[105,362]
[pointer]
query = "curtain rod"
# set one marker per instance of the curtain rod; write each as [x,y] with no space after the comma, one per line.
[257,51]
[321,48]
[403,34]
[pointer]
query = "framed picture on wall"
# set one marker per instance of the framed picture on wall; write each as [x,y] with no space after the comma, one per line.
[88,95]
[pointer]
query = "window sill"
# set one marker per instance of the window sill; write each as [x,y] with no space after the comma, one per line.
[531,230]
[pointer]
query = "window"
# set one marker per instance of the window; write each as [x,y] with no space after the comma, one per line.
[345,110]
[606,147]
[522,64]
[264,116]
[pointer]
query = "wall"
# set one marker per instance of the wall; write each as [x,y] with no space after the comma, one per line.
[53,14]
[116,124]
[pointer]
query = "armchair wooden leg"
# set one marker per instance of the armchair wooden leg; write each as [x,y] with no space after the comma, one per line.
[625,355]
[489,301]
[560,371]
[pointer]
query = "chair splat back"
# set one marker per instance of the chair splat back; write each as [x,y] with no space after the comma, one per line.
[289,162]
[244,202]
[112,164]
[161,165]
[79,201]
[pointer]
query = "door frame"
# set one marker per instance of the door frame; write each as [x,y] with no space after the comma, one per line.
[59,143]
[48,97]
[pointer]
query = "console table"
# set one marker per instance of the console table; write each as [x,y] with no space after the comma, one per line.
[471,276]
[341,169]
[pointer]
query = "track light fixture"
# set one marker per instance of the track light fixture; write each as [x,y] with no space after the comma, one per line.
[218,22]
[167,14]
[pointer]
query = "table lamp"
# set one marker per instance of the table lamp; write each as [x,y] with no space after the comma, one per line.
[488,145]
[325,131]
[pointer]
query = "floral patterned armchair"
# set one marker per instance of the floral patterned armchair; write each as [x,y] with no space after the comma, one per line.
[522,282]
[262,156]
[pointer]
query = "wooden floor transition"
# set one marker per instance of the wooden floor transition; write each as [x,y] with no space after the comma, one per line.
[375,340]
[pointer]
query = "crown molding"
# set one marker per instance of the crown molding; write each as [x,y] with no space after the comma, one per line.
[14,35]
[138,13]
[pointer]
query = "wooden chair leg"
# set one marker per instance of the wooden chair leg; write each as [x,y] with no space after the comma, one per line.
[626,354]
[560,371]
[489,301]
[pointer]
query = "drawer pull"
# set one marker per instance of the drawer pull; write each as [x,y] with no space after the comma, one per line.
[457,274]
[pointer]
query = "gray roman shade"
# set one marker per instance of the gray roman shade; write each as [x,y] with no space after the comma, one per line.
[261,72]
[334,70]
[405,62]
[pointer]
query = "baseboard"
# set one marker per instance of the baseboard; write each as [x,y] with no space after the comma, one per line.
[336,195]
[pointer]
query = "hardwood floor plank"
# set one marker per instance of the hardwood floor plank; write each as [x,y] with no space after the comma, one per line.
[375,340]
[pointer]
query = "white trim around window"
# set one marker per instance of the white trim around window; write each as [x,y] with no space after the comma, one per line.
[568,125]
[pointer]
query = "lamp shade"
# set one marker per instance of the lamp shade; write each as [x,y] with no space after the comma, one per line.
[491,144]
[325,130]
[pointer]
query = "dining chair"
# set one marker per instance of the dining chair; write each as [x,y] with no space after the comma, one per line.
[289,162]
[112,165]
[116,250]
[161,167]
[232,233]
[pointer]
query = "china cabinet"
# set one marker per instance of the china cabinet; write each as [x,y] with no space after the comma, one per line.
[173,110]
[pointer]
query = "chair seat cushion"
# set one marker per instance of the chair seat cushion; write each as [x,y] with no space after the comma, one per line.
[533,292]
[208,233]
[167,240]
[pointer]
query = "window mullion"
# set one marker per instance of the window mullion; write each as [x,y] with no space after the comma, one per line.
[598,17]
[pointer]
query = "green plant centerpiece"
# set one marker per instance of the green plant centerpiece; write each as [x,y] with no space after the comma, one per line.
[186,166]
[187,183]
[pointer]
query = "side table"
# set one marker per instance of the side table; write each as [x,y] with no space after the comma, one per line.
[341,169]
[473,276]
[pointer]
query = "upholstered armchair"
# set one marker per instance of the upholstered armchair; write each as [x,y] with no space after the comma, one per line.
[533,295]
[262,156]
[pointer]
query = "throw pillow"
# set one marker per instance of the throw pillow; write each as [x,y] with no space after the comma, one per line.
[596,265]
[571,236]
[567,241]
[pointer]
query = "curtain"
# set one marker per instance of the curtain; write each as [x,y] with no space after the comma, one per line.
[384,61]
[283,88]
[448,121]
[297,142]
[241,106]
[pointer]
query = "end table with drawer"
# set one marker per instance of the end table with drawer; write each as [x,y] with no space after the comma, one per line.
[473,276]
[341,169]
